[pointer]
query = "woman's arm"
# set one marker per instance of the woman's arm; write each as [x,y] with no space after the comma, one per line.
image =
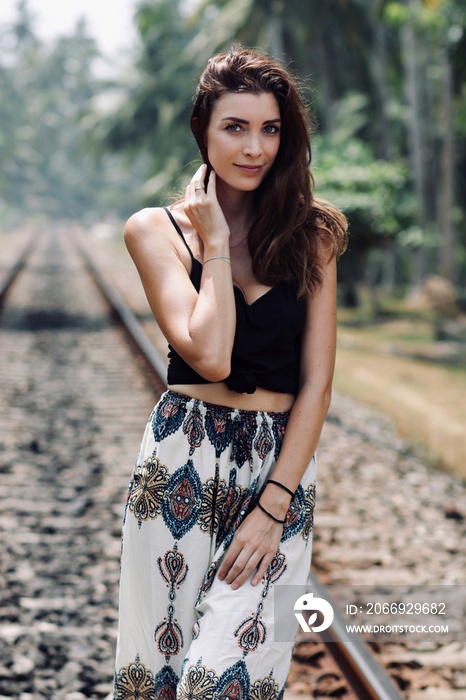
[313,401]
[258,537]
[200,327]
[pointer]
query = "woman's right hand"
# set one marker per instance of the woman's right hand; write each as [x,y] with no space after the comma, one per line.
[204,211]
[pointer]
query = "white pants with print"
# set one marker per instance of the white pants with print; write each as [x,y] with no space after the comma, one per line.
[183,633]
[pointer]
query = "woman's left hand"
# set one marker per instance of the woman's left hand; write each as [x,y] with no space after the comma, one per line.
[253,546]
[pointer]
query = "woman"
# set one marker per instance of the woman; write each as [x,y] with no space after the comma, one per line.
[241,277]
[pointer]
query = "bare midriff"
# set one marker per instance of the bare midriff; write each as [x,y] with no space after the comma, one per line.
[219,393]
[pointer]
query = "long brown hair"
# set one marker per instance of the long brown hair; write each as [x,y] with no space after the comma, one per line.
[293,233]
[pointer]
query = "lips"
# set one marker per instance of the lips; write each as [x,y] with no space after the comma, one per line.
[249,168]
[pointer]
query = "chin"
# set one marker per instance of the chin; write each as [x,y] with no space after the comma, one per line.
[241,185]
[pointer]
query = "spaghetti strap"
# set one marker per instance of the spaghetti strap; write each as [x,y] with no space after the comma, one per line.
[172,219]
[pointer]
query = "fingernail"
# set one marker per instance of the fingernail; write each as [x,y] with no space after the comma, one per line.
[234,586]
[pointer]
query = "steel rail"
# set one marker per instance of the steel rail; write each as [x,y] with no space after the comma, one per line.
[16,268]
[128,320]
[367,678]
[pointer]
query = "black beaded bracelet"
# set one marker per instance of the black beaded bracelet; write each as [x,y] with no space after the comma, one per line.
[282,522]
[271,481]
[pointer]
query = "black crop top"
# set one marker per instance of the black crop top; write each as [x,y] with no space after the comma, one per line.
[266,348]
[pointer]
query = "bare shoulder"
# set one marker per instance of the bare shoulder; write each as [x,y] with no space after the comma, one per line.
[150,231]
[146,223]
[152,240]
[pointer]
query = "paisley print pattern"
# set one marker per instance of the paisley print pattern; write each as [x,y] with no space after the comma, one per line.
[277,567]
[134,682]
[250,633]
[234,505]
[279,424]
[219,428]
[173,568]
[237,518]
[244,428]
[147,489]
[197,683]
[201,683]
[182,504]
[296,515]
[185,635]
[264,689]
[233,684]
[264,441]
[207,581]
[166,682]
[275,571]
[169,635]
[213,504]
[168,415]
[309,505]
[193,428]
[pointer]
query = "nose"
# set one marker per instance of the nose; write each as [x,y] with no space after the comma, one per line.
[253,146]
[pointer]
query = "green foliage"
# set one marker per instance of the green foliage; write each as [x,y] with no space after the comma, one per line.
[396,13]
[47,166]
[373,192]
[155,102]
[60,125]
[352,60]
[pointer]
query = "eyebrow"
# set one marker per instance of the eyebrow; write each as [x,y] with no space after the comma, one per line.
[245,121]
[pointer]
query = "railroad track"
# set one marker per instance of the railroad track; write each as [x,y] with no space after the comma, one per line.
[66,317]
[72,403]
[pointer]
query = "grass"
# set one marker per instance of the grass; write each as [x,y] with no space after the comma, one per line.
[377,364]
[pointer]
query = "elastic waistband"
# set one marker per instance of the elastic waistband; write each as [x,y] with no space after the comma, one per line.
[184,399]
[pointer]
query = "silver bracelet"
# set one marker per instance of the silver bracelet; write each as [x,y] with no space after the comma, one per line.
[218,257]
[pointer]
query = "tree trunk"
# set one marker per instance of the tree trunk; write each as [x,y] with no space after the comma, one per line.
[446,183]
[325,81]
[275,30]
[417,135]
[378,66]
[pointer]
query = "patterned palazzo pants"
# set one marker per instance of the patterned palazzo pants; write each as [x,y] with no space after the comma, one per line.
[183,633]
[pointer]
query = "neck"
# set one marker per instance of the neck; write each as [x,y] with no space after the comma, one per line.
[237,206]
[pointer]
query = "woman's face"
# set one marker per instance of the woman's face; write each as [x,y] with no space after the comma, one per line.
[243,138]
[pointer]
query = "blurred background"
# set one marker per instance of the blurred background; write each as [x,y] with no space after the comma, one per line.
[94,124]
